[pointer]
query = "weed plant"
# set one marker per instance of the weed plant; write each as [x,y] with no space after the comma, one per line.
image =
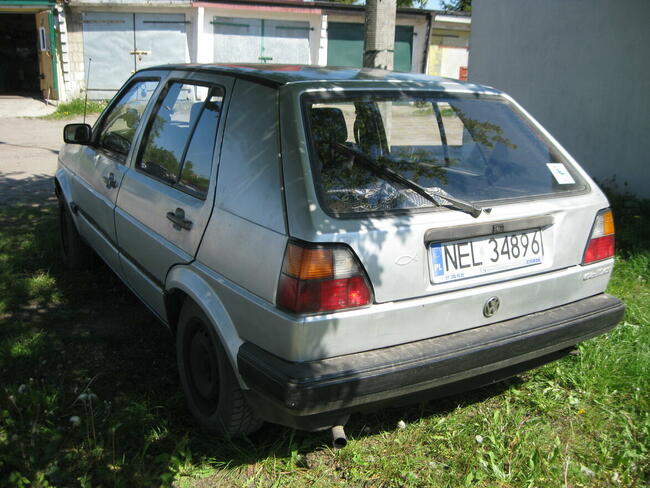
[75,108]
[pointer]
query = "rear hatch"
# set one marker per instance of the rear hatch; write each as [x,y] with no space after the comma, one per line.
[440,192]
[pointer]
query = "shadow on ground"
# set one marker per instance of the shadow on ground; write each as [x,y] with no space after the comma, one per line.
[29,146]
[90,390]
[33,190]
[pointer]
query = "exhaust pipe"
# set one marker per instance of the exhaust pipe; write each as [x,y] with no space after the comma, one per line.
[339,439]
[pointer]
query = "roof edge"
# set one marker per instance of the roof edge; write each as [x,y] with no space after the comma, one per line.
[276,76]
[328,5]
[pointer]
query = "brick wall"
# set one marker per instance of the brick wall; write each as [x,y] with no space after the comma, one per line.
[72,52]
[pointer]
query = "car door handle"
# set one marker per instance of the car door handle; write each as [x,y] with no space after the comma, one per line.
[179,220]
[110,181]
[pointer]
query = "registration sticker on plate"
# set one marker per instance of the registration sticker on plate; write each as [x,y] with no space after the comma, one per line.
[456,260]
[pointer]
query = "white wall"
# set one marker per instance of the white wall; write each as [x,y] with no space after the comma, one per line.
[453,58]
[582,68]
[419,42]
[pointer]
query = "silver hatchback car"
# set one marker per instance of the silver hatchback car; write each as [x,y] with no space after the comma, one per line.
[326,240]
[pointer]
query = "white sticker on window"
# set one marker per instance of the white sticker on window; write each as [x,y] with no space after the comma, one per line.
[560,173]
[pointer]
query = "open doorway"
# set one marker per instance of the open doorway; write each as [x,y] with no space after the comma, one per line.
[19,68]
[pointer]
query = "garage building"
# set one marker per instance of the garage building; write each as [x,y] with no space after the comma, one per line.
[61,48]
[28,49]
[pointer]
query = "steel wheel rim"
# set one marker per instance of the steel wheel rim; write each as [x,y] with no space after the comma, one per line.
[201,367]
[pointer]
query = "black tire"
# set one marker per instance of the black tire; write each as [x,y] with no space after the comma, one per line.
[211,389]
[76,253]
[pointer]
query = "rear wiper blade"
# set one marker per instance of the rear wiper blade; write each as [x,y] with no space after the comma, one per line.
[431,194]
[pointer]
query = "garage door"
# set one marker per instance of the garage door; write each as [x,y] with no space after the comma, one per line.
[117,44]
[239,40]
[345,45]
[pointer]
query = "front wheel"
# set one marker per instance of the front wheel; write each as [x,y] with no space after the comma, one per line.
[211,389]
[74,250]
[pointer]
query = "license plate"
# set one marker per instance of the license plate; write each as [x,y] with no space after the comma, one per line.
[456,260]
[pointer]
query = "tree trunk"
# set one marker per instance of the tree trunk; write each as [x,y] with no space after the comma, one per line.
[379,34]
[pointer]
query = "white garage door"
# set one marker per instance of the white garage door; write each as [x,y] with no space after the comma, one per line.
[162,37]
[286,41]
[121,43]
[239,40]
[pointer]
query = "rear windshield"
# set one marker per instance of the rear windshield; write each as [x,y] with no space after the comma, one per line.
[477,149]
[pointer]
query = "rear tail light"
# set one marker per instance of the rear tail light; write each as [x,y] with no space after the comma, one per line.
[601,241]
[321,279]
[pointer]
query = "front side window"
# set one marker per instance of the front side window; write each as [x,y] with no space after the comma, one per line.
[477,149]
[179,144]
[122,121]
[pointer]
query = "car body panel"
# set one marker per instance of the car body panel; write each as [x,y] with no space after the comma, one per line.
[246,236]
[299,338]
[244,252]
[206,289]
[150,243]
[101,242]
[146,287]
[96,201]
[91,168]
[250,180]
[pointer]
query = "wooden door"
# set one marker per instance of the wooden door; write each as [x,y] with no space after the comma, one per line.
[45,56]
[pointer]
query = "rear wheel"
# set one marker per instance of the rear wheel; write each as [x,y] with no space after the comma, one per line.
[211,388]
[76,253]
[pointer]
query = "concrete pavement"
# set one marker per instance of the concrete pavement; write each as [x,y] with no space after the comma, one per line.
[24,106]
[28,158]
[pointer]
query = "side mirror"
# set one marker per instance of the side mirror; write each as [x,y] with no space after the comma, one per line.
[77,134]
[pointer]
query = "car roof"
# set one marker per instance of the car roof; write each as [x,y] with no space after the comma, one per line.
[277,75]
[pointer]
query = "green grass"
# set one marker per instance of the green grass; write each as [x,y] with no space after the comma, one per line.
[90,397]
[75,108]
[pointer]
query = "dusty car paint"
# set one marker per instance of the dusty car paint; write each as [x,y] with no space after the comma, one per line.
[262,195]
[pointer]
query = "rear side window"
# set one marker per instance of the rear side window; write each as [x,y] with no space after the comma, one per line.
[478,149]
[195,174]
[179,143]
[122,121]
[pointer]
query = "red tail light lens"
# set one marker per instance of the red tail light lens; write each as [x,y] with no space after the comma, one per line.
[601,242]
[344,293]
[321,279]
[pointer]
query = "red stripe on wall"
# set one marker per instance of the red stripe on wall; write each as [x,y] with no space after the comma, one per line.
[259,8]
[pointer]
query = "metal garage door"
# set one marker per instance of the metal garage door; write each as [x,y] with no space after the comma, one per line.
[239,40]
[345,45]
[121,43]
[236,40]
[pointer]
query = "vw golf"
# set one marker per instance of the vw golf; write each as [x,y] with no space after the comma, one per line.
[322,241]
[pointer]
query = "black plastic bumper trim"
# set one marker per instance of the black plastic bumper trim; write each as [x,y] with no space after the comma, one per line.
[342,383]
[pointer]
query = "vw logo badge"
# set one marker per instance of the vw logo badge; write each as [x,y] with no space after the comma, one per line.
[491,306]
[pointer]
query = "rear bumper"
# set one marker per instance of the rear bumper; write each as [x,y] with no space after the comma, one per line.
[317,394]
